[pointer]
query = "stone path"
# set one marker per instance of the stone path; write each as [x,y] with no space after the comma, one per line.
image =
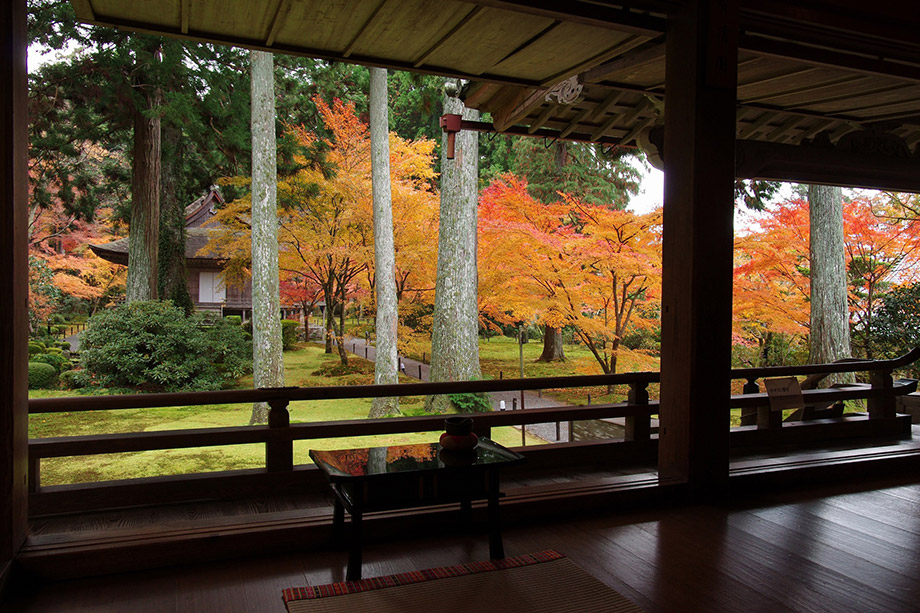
[531,400]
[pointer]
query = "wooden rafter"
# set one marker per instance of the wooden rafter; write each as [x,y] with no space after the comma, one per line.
[574,123]
[522,106]
[812,88]
[777,134]
[752,128]
[84,10]
[184,8]
[819,126]
[653,51]
[357,37]
[440,42]
[819,56]
[526,44]
[538,123]
[591,14]
[601,109]
[591,62]
[280,15]
[777,77]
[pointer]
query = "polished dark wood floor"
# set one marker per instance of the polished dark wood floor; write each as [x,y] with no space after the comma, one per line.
[840,548]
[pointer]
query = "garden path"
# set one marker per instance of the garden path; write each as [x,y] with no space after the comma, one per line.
[529,400]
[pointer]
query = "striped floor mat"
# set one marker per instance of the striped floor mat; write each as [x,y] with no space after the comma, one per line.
[546,581]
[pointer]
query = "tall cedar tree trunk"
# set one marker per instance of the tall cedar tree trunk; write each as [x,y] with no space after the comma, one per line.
[455,322]
[267,363]
[386,365]
[171,279]
[552,337]
[144,231]
[329,312]
[830,330]
[340,331]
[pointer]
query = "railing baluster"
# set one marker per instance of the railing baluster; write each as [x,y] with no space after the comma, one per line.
[749,414]
[279,454]
[35,475]
[884,407]
[638,427]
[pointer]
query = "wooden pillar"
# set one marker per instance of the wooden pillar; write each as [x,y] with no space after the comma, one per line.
[700,91]
[14,289]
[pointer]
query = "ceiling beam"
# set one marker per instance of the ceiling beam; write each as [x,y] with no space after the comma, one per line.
[84,10]
[184,8]
[618,49]
[652,51]
[428,52]
[819,56]
[280,15]
[825,165]
[593,13]
[354,41]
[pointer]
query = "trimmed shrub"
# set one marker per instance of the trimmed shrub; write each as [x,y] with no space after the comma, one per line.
[74,379]
[36,347]
[289,333]
[58,361]
[236,320]
[56,350]
[41,376]
[153,346]
[471,402]
[64,345]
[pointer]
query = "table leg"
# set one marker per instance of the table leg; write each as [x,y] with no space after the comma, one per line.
[354,554]
[496,548]
[338,520]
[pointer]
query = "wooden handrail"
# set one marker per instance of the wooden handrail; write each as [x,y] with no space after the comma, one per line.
[239,435]
[292,394]
[843,366]
[900,387]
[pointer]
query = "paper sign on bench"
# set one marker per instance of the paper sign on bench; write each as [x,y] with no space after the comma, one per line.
[784,393]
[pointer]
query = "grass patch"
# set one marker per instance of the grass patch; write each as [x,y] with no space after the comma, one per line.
[305,366]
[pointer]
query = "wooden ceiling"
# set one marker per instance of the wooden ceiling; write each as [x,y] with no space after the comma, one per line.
[807,69]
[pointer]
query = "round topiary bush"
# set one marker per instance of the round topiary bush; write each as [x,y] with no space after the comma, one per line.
[154,346]
[36,347]
[56,350]
[236,320]
[289,333]
[57,360]
[73,379]
[41,376]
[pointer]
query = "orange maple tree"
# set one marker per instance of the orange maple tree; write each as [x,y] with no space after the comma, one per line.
[325,217]
[772,287]
[569,263]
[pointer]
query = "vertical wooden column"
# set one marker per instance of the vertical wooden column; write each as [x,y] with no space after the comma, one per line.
[14,289]
[700,89]
[638,427]
[279,454]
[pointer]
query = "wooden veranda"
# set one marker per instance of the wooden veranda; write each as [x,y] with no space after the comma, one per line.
[809,91]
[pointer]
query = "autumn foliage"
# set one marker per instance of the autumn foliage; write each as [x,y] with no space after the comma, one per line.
[592,268]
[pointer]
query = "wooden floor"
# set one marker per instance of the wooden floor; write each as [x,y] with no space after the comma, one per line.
[839,548]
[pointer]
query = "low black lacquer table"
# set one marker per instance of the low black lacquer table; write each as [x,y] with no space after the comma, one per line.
[405,476]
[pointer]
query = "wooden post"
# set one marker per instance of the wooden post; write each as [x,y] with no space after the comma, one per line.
[697,244]
[886,406]
[14,275]
[279,454]
[749,414]
[638,427]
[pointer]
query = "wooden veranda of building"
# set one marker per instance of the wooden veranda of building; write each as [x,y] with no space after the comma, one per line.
[811,91]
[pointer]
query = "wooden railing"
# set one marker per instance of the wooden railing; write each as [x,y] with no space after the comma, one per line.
[279,435]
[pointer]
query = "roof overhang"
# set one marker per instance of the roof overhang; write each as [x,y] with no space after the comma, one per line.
[808,70]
